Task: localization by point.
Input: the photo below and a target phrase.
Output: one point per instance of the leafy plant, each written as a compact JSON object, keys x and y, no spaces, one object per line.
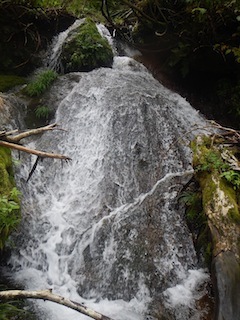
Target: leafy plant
{"x":233,"y":177}
{"x":42,"y":112}
{"x":212,"y":161}
{"x":192,"y":200}
{"x":11,"y":311}
{"x":9,"y":214}
{"x":41,"y":83}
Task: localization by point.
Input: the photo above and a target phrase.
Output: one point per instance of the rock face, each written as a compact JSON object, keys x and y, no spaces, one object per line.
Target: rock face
{"x":220,"y":199}
{"x":86,"y":49}
{"x":227,"y":279}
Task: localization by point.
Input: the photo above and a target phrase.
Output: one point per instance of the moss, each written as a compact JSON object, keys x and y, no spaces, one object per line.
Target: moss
{"x":41,"y":83}
{"x":234,"y":215}
{"x":9,"y":197}
{"x":197,"y":221}
{"x":6,"y":172}
{"x":208,"y":187}
{"x":9,"y":81}
{"x":86,"y":49}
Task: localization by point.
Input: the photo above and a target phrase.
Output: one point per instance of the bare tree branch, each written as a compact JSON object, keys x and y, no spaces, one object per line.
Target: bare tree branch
{"x":48,"y":295}
{"x":41,"y":154}
{"x":29,"y":133}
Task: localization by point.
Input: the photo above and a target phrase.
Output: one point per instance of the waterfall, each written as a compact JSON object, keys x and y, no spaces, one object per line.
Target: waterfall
{"x":106,"y":229}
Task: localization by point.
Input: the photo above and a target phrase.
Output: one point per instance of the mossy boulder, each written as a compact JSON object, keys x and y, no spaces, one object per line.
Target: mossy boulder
{"x":86,"y":49}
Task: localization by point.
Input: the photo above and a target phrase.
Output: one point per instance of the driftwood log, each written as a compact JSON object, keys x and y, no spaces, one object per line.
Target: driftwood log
{"x":48,"y":295}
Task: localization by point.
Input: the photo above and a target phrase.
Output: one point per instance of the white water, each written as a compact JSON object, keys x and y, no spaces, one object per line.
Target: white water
{"x":54,"y":52}
{"x":105,"y":229}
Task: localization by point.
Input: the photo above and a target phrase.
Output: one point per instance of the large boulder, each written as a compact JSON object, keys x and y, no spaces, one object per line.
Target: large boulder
{"x":85,"y":49}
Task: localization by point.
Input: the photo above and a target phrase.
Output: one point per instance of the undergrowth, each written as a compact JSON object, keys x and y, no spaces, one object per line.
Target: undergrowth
{"x":41,"y":83}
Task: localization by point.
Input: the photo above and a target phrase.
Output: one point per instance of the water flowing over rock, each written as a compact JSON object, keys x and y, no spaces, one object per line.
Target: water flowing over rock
{"x":107,"y":228}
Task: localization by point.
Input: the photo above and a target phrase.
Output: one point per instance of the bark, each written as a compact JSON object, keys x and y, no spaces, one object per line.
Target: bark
{"x":28,"y":133}
{"x":10,"y":140}
{"x":48,"y":295}
{"x":41,"y":154}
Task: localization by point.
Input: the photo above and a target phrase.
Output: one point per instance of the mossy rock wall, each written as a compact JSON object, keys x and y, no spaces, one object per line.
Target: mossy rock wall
{"x":220,"y":201}
{"x":86,"y":49}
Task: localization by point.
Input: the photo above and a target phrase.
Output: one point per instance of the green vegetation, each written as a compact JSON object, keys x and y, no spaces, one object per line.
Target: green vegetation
{"x":211,"y":161}
{"x":9,"y":81}
{"x":41,"y":83}
{"x":219,"y":183}
{"x":9,"y":198}
{"x":212,"y":200}
{"x":197,"y":221}
{"x":42,"y":112}
{"x":9,"y":215}
{"x":12,"y":311}
{"x":15,"y":309}
{"x":86,"y":49}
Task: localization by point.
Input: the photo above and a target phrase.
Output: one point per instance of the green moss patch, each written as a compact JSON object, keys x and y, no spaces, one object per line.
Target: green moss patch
{"x":6,"y":173}
{"x":86,"y":49}
{"x":9,"y":81}
{"x":9,"y":197}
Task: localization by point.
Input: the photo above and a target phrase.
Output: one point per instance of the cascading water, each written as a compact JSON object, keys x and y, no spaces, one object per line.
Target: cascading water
{"x":106,"y":229}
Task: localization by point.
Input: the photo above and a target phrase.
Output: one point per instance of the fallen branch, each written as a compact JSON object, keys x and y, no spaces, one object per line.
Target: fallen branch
{"x":48,"y":295}
{"x":11,"y":139}
{"x":28,"y":133}
{"x":39,"y":153}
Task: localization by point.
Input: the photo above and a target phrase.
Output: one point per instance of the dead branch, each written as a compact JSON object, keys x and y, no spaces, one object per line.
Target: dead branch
{"x":48,"y":295}
{"x":28,"y":133}
{"x":41,"y":154}
{"x":227,"y":131}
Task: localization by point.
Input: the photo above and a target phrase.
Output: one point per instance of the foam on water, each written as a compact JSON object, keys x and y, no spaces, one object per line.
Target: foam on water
{"x":185,"y":293}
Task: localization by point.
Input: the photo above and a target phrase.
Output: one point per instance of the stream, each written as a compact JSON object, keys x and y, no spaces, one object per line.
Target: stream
{"x":106,"y":229}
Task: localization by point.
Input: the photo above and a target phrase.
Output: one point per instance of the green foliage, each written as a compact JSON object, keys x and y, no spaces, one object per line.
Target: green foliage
{"x":6,"y":172}
{"x":86,"y":50}
{"x":14,"y":309}
{"x":197,"y":222}
{"x":41,"y":83}
{"x":9,"y":197}
{"x":9,"y":214}
{"x":42,"y":112}
{"x":192,"y":200}
{"x":212,"y":161}
{"x":232,"y":177}
{"x":11,"y":310}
